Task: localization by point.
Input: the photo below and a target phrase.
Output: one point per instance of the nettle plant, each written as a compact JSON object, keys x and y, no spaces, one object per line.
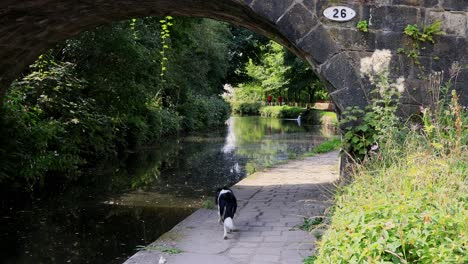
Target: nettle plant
{"x":367,"y":129}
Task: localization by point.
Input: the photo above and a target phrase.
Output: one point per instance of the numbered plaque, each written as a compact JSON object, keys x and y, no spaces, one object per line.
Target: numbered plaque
{"x":339,"y":13}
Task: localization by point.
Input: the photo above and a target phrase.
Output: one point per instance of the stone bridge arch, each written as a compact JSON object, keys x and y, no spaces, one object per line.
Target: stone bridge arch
{"x":334,"y":49}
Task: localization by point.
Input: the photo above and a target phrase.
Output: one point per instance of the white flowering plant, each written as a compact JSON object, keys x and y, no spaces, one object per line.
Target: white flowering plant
{"x":372,"y":126}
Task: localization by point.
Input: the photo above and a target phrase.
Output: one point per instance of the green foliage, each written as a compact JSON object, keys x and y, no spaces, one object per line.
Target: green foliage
{"x":283,"y":111}
{"x":270,"y":74}
{"x":165,"y":249}
{"x":319,"y":117}
{"x":165,"y":35}
{"x":208,"y":204}
{"x":201,"y":112}
{"x":303,"y":85}
{"x":245,"y":108}
{"x":427,"y":34}
{"x":310,"y":223}
{"x":101,"y":93}
{"x":172,"y":250}
{"x":407,"y":203}
{"x":413,"y":211}
{"x":245,"y":100}
{"x":363,"y":26}
{"x":245,"y":45}
{"x":419,"y":37}
{"x":273,"y":70}
{"x":376,"y":123}
{"x":197,"y":61}
{"x":35,"y":134}
{"x":444,"y":117}
{"x":310,"y":260}
{"x":359,"y":130}
{"x":327,"y":146}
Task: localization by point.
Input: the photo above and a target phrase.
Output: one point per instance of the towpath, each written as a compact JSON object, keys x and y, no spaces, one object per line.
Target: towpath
{"x":272,"y":204}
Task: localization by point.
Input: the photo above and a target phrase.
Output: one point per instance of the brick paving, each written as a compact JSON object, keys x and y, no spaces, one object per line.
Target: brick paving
{"x":272,"y":204}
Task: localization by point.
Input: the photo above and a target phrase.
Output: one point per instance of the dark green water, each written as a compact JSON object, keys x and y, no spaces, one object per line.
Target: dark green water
{"x":138,"y":198}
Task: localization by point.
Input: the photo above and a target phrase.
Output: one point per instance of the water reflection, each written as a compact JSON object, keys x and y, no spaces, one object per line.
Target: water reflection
{"x":133,"y":200}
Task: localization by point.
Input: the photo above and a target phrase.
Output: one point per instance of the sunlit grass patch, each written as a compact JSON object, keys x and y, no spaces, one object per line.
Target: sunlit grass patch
{"x":327,"y":146}
{"x":414,"y":211}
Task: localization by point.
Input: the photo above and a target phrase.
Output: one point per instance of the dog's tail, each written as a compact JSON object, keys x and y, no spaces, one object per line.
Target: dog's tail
{"x":229,"y":223}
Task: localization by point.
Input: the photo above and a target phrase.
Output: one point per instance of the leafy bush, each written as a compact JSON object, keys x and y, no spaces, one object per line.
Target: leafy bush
{"x":246,"y":108}
{"x":411,"y":212}
{"x":284,"y":111}
{"x":101,"y":93}
{"x":30,"y":116}
{"x":202,"y":112}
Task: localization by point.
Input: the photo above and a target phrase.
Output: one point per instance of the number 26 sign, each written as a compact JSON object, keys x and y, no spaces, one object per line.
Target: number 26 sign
{"x":339,"y":13}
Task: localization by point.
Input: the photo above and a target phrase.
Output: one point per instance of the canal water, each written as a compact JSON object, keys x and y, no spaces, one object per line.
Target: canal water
{"x":130,"y":202}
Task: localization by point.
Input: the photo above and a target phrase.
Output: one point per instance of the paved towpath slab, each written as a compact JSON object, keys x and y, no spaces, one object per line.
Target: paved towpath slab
{"x":272,"y":203}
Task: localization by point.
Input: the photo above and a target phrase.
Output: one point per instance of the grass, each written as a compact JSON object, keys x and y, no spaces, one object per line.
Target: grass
{"x":327,"y":146}
{"x":311,"y":223}
{"x":283,"y":111}
{"x":408,"y":199}
{"x":328,"y":118}
{"x":208,"y":204}
{"x":164,"y":249}
{"x":410,"y":210}
{"x":310,"y":259}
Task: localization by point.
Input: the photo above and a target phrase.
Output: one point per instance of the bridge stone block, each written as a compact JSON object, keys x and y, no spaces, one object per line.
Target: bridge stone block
{"x":407,"y":2}
{"x":340,"y":72}
{"x":271,"y":9}
{"x":429,"y":3}
{"x":454,"y":5}
{"x":353,"y":39}
{"x":455,"y":23}
{"x":348,"y":97}
{"x":319,"y":45}
{"x":297,"y":22}
{"x":393,"y":18}
{"x":390,"y":40}
{"x":461,"y":88}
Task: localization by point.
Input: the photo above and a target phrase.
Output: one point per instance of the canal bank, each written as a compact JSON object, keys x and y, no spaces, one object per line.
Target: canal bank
{"x":272,"y":204}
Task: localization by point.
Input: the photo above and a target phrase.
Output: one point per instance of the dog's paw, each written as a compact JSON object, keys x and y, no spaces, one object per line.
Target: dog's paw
{"x":225,"y":237}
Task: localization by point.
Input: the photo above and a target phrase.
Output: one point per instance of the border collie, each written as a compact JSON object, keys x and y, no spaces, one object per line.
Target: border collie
{"x":227,"y":206}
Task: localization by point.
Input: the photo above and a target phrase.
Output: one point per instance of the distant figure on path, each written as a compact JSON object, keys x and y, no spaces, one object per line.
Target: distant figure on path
{"x":269,"y":98}
{"x":280,"y":100}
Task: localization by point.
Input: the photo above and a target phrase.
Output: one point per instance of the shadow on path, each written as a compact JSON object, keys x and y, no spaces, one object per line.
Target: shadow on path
{"x":272,"y":204}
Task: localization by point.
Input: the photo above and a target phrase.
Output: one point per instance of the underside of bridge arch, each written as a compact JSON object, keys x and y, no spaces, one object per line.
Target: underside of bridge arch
{"x":334,"y":49}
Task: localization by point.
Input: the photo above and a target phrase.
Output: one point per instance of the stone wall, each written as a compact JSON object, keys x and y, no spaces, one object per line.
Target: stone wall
{"x":334,"y":49}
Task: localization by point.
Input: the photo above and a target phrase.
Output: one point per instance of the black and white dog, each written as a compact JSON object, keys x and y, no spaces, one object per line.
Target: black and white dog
{"x":227,"y":206}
